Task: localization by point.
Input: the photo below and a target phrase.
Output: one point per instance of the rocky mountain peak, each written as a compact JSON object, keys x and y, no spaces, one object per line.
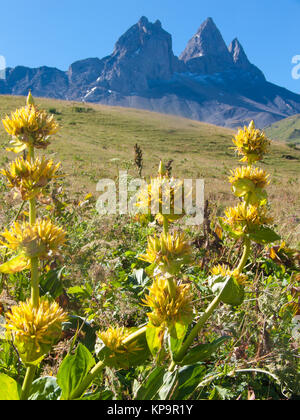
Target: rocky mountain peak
{"x":143,"y":21}
{"x":143,"y":53}
{"x":207,"y":41}
{"x":238,"y":54}
{"x":242,"y":62}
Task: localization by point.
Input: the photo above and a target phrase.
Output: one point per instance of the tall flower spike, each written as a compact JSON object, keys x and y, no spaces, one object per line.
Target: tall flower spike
{"x":30,"y":178}
{"x":29,"y":126}
{"x":35,"y":329}
{"x":251,"y":143}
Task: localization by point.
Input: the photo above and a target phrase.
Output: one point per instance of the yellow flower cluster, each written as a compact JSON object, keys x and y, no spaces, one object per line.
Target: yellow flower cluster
{"x":120,"y":354}
{"x":163,"y":196}
{"x":35,"y":329}
{"x":223,"y":270}
{"x":258,"y":176}
{"x":244,"y":219}
{"x":168,"y":252}
{"x":251,"y":143}
{"x":29,"y":126}
{"x":38,"y":240}
{"x":113,"y":339}
{"x":30,"y":178}
{"x":167,"y":308}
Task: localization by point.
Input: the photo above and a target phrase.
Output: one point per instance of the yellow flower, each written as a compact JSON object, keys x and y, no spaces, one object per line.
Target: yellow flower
{"x":119,"y":353}
{"x":224,"y":271}
{"x":249,"y":182}
{"x":29,"y":126}
{"x":30,"y":178}
{"x":251,"y":143}
{"x":258,"y":176}
{"x":39,"y":240}
{"x":244,"y":219}
{"x":35,"y":329}
{"x":113,"y":339}
{"x":163,"y":196}
{"x":168,"y":252}
{"x":168,"y":309}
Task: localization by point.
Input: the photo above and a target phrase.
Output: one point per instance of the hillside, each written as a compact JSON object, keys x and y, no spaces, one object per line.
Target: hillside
{"x":96,"y":141}
{"x":286,"y":130}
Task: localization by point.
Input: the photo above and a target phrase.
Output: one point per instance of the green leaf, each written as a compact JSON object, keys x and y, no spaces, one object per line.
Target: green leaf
{"x":242,"y":187}
{"x":139,"y":279}
{"x":149,"y":389}
{"x":176,"y":336}
{"x":87,"y":334}
{"x":259,"y":196}
{"x":169,"y":383}
{"x":234,"y":234}
{"x":264,"y":235}
{"x":98,"y":396}
{"x":78,"y":290}
{"x":52,"y":284}
{"x":203,"y":352}
{"x":9,"y":388}
{"x":73,"y":370}
{"x":188,"y":379}
{"x":45,"y":389}
{"x":155,"y":336}
{"x":232,"y":292}
{"x":15,"y":265}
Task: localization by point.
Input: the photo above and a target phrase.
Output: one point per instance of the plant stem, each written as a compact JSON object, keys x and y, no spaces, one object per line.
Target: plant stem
{"x":30,"y":372}
{"x":245,"y":256}
{"x":172,"y":287}
{"x":35,"y":295}
{"x":134,"y":336}
{"x":165,"y":225}
{"x":195,"y":331}
{"x":34,"y":261}
{"x":172,"y":366}
{"x":32,"y":211}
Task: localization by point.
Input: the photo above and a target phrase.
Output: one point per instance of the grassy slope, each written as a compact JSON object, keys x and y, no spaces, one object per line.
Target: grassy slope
{"x":89,"y":140}
{"x":286,"y":130}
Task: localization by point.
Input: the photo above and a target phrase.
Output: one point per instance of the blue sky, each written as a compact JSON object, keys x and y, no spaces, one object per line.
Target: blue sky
{"x":59,"y":32}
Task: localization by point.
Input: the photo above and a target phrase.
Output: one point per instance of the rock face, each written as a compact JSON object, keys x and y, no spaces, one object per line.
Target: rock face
{"x":20,"y":79}
{"x":208,"y":82}
{"x":207,"y":52}
{"x":241,"y":61}
{"x":142,"y":54}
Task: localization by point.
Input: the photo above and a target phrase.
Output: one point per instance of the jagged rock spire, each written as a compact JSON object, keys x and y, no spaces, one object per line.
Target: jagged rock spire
{"x":208,"y":41}
{"x":238,"y":54}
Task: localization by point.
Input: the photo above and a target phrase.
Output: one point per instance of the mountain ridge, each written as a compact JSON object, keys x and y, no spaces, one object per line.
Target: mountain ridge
{"x":209,"y":81}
